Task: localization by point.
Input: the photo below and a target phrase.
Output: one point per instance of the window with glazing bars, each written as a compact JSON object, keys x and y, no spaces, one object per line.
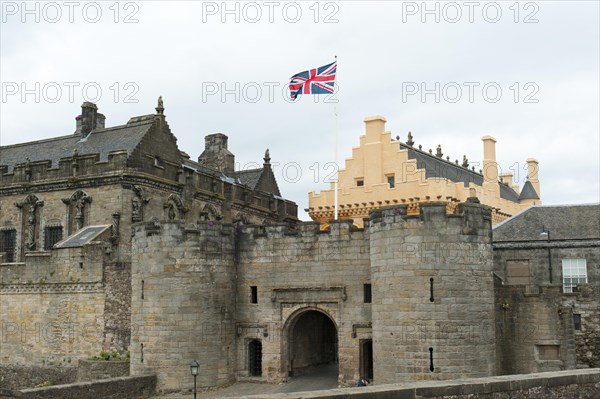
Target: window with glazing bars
{"x":8,"y":240}
{"x":52,"y":236}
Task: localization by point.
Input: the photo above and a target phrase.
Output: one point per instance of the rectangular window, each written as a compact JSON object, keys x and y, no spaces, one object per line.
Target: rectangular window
{"x":576,"y":321}
{"x":574,"y":273}
{"x":8,"y":240}
{"x":517,"y":272}
{"x":360,"y":182}
{"x":367,"y":293}
{"x":52,"y":236}
{"x":391,"y":179}
{"x":253,"y":294}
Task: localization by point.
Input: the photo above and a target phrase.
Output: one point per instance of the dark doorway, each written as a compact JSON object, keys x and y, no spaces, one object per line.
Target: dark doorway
{"x":313,"y":342}
{"x":255,"y":358}
{"x":366,"y":358}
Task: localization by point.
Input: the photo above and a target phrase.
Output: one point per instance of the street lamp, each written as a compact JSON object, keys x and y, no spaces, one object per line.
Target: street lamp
{"x":546,"y":234}
{"x":194,"y":368}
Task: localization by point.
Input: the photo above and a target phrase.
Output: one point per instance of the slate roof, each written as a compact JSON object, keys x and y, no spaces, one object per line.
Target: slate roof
{"x":118,"y":138}
{"x":99,"y":141}
{"x":565,"y":222}
{"x":440,"y":168}
{"x":528,"y":192}
{"x":249,"y":177}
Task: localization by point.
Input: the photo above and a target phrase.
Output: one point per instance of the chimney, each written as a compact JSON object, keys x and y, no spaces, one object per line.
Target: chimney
{"x":508,"y":178}
{"x":216,"y":155}
{"x":375,"y":126}
{"x":100,"y":121}
{"x":490,"y":166}
{"x":532,"y":173}
{"x":88,"y":120}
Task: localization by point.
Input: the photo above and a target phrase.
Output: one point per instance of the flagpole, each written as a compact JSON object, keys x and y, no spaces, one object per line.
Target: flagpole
{"x":335,"y":185}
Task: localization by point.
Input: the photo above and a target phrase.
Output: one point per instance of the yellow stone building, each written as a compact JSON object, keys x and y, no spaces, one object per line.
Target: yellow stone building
{"x":383,"y":171}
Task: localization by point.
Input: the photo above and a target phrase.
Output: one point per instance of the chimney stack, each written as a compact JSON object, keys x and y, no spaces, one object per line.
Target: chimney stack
{"x":490,"y":166}
{"x":89,"y":119}
{"x":216,"y":155}
{"x":532,"y":173}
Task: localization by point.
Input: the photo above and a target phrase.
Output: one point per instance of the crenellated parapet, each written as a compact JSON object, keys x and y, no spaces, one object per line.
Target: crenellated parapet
{"x":68,"y":170}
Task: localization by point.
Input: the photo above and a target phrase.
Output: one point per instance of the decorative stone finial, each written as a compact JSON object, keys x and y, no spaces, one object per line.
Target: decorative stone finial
{"x":410,"y":141}
{"x":465,"y":163}
{"x":160,"y":109}
{"x":420,"y":147}
{"x":267,"y":157}
{"x":430,"y":151}
{"x":438,"y":152}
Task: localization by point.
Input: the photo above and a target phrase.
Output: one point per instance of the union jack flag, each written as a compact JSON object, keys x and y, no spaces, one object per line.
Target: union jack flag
{"x":314,"y":81}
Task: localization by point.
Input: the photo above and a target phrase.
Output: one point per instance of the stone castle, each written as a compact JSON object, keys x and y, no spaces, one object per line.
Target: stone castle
{"x":113,"y":239}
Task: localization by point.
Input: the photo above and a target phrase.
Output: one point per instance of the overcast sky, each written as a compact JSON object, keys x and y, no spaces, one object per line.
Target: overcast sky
{"x":526,"y":73}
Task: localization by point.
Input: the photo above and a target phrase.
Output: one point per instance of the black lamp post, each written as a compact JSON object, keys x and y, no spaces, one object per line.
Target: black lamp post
{"x":194,"y":368}
{"x":546,"y":234}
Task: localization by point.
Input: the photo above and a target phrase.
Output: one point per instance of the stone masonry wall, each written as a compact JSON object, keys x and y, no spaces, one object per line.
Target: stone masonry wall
{"x":183,"y":303}
{"x":433,"y":293}
{"x":571,"y":384}
{"x":52,"y":307}
{"x":534,"y":330}
{"x":297,"y":271}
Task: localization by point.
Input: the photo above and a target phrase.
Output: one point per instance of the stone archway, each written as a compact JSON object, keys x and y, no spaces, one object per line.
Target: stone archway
{"x":311,"y":340}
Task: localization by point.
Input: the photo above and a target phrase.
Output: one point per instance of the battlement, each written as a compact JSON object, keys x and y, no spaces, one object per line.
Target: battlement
{"x":468,"y":213}
{"x":301,"y":229}
{"x":74,"y":167}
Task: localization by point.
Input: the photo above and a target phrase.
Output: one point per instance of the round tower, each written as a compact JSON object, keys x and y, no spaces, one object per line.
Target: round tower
{"x":183,"y":303}
{"x":433,"y":295}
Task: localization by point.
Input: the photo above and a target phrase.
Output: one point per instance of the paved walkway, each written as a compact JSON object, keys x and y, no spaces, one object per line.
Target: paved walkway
{"x":321,"y":378}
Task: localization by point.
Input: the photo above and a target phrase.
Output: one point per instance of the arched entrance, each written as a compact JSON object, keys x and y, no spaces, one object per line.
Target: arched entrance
{"x":312,"y":342}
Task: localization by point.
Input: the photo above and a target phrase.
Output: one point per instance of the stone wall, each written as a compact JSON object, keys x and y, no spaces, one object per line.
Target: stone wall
{"x":91,"y":370}
{"x":541,"y":255}
{"x":183,"y":303}
{"x":585,"y":303}
{"x":52,"y":307}
{"x":113,"y":388}
{"x":14,"y":377}
{"x":297,"y":271}
{"x":572,"y":384}
{"x":433,"y":293}
{"x":534,"y":330}
{"x":536,"y":305}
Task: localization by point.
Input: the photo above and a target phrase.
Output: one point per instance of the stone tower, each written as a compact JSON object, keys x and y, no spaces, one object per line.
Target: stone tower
{"x":433,"y":297}
{"x":183,"y":303}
